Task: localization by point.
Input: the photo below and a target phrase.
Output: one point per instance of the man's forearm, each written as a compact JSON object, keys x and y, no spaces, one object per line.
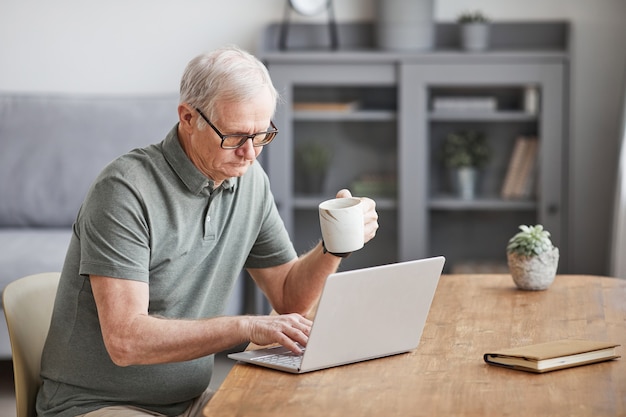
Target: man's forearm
{"x":152,"y":340}
{"x":306,"y":279}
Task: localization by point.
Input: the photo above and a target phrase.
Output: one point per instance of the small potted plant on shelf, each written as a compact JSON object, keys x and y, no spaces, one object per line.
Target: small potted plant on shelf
{"x":532,"y":258}
{"x":465,"y":153}
{"x":474,"y":27}
{"x":312,"y":161}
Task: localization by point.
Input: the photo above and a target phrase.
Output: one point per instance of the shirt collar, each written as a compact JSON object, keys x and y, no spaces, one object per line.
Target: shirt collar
{"x":191,"y":176}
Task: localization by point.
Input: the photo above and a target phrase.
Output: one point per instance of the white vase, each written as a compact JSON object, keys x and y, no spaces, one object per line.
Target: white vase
{"x":533,"y":273}
{"x":475,"y":36}
{"x":465,"y":182}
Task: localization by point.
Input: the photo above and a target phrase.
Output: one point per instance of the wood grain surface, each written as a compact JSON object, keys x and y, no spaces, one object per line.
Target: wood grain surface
{"x":446,"y":374}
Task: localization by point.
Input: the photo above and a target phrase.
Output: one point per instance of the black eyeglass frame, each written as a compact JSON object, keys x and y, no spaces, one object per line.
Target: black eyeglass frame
{"x":244,"y":138}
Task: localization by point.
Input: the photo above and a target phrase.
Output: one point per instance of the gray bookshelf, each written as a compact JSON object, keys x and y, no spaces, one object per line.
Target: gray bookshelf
{"x":388,"y":142}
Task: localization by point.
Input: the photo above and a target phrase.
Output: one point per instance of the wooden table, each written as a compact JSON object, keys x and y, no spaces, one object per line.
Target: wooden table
{"x":446,"y":375}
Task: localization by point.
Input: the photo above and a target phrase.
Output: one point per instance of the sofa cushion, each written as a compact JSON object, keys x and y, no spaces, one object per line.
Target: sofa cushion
{"x":31,"y":251}
{"x":53,"y":146}
{"x":26,"y":252}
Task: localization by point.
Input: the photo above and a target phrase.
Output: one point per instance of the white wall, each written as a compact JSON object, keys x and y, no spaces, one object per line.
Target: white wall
{"x":142,"y":46}
{"x":123,"y":46}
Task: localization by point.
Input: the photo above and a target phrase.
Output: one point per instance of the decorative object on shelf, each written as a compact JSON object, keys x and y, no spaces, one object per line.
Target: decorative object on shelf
{"x":532,"y":258}
{"x":520,"y":179}
{"x":309,"y":8}
{"x":383,"y":185}
{"x":531,"y":99}
{"x":405,"y":24}
{"x":465,"y":182}
{"x":465,"y":153}
{"x":474,"y":31}
{"x":312,"y":161}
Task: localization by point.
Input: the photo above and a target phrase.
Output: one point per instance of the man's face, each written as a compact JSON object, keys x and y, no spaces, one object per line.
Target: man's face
{"x":247,"y":117}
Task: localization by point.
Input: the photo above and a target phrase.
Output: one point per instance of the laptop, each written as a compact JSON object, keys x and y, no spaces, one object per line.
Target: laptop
{"x":362,"y":314}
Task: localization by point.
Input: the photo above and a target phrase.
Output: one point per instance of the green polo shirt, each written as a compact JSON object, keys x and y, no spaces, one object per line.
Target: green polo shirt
{"x":152,"y":216}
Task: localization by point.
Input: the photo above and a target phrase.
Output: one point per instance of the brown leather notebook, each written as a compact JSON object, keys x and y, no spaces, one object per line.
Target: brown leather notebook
{"x":550,"y":356}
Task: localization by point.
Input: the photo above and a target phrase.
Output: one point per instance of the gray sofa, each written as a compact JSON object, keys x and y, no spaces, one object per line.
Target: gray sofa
{"x":51,"y":149}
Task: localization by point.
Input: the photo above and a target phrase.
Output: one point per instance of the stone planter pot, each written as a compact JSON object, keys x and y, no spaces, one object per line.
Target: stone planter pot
{"x":533,"y":273}
{"x":474,"y":36}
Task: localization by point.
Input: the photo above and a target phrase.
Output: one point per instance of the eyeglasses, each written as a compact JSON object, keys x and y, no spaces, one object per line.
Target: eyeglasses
{"x":237,"y":140}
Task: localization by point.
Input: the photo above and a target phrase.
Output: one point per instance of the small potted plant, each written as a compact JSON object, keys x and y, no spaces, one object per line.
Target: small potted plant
{"x":532,"y":258}
{"x":474,"y":30}
{"x":312,"y":161}
{"x":465,"y":153}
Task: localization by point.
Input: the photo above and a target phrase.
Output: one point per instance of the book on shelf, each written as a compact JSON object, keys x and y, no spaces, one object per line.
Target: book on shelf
{"x":331,"y":106}
{"x":465,"y":104}
{"x":519,"y":181}
{"x":550,"y":356}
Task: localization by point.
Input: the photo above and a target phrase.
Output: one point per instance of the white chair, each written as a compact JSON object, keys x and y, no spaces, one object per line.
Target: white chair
{"x":27,"y":304}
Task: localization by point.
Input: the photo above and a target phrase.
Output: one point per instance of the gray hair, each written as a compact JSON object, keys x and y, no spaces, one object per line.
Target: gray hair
{"x":226,"y":74}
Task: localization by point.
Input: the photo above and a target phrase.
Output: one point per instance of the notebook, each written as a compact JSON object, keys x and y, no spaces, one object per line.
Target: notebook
{"x":362,"y":314}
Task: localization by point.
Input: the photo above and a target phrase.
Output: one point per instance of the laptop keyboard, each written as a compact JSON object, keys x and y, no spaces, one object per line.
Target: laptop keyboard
{"x":287,"y":359}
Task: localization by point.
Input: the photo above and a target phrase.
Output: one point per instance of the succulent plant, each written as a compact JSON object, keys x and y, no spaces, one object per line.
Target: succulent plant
{"x":530,"y":241}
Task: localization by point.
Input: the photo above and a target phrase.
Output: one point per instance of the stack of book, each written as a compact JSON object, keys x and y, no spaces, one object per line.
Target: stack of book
{"x":326,"y":106}
{"x":465,"y":104}
{"x":519,"y":182}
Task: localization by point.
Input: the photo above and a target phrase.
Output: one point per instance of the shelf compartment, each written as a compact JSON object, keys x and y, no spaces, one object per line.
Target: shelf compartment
{"x":373,"y":145}
{"x":501,"y":137}
{"x":345,"y":99}
{"x":480,"y":236}
{"x":497,"y":98}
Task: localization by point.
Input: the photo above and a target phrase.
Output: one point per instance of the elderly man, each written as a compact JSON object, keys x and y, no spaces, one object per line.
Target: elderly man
{"x":156,"y":249}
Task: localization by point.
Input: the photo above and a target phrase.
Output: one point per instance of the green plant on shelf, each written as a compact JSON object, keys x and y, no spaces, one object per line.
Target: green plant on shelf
{"x":313,"y":157}
{"x":312,"y":162}
{"x":475,"y":16}
{"x":467,"y":148}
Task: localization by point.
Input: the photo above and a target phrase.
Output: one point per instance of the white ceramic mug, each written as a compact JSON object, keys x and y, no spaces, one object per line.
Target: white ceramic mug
{"x":341,"y":221}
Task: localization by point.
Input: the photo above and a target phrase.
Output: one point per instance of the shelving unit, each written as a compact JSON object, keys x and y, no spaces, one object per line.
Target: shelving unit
{"x":366,"y":133}
{"x":478,"y":230}
{"x":386,"y":126}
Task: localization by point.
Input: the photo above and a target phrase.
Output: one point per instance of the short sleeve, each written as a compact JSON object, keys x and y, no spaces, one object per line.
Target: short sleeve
{"x":273,"y":246}
{"x":113,"y":232}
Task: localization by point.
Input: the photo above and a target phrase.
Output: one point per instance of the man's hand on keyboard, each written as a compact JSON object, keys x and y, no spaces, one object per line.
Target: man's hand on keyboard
{"x":288,"y":330}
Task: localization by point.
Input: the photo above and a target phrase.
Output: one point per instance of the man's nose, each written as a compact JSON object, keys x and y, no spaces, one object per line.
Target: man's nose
{"x":247,"y":150}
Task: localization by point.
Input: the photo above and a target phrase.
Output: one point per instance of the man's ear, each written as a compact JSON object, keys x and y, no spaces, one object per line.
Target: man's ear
{"x":186,"y":116}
